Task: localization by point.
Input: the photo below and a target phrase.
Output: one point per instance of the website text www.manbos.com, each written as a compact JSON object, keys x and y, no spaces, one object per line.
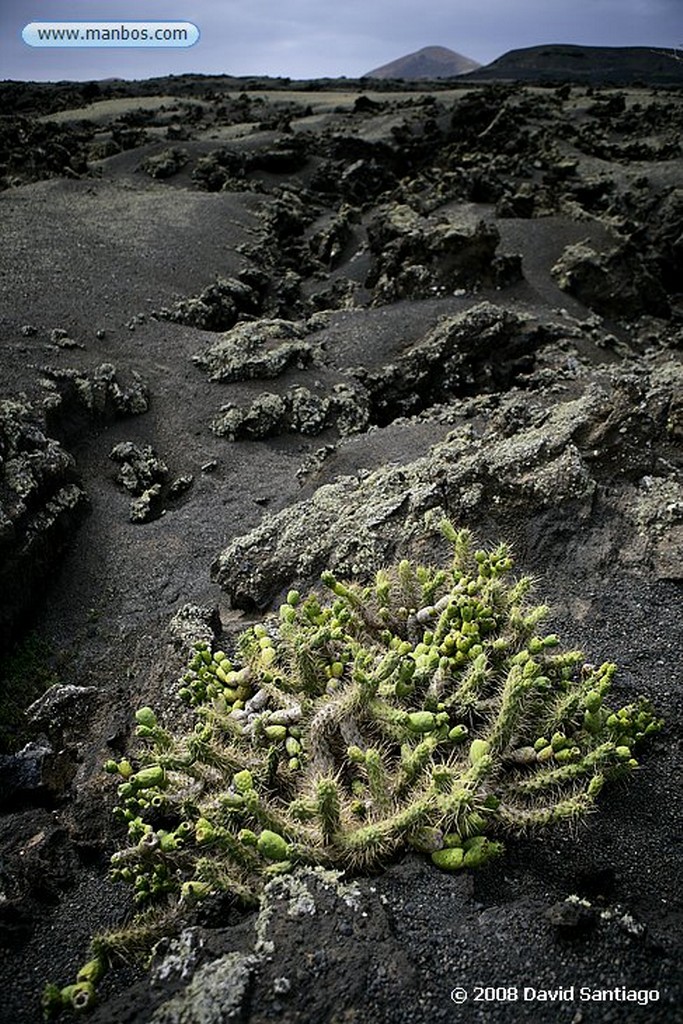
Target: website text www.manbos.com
{"x":108,"y":33}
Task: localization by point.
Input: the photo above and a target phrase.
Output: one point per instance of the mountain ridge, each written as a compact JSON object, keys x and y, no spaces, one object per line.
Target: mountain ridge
{"x":590,"y":64}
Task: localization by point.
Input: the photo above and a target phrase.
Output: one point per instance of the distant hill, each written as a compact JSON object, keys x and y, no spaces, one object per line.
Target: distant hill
{"x":618,"y":65}
{"x":429,"y":62}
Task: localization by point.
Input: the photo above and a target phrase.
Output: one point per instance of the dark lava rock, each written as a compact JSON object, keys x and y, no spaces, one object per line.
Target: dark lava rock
{"x":572,"y":918}
{"x":41,"y":504}
{"x":287,"y":217}
{"x":365,"y":180}
{"x":481,"y":348}
{"x":617,"y":284}
{"x":165,"y":164}
{"x":338,"y":930}
{"x":299,"y":411}
{"x":147,"y":506}
{"x":35,"y":774}
{"x":41,"y":498}
{"x":126,"y":137}
{"x":139,"y":467}
{"x":192,"y":624}
{"x":180,"y":485}
{"x":286,"y":156}
{"x":263,"y":349}
{"x":23,"y":772}
{"x":524,"y":453}
{"x":418,"y":258}
{"x":143,"y":474}
{"x":327,"y":245}
{"x":32,"y":150}
{"x":213,"y":171}
{"x":216,"y":308}
{"x":664,"y":238}
{"x":61,"y":710}
{"x":517,"y":204}
{"x":75,"y":398}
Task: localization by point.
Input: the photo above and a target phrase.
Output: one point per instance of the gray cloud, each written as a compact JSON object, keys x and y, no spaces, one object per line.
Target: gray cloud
{"x":310,"y":38}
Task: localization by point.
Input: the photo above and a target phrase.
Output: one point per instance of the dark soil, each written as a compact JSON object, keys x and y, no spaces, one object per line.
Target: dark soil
{"x":247,"y":334}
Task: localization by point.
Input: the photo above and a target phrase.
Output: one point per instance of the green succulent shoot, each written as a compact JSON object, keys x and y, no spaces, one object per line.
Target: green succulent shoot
{"x":426,"y":710}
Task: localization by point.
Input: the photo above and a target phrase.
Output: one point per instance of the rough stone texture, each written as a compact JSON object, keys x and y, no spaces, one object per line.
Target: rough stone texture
{"x":139,"y":467}
{"x":73,"y":396}
{"x":216,"y":994}
{"x":415,"y":257}
{"x":55,"y":711}
{"x":478,"y":349}
{"x":143,"y":474}
{"x":59,"y":150}
{"x":263,"y":349}
{"x":299,"y":411}
{"x":219,"y":169}
{"x":213,"y":983}
{"x":615,"y":284}
{"x":35,"y":774}
{"x":531,"y":456}
{"x":192,"y":624}
{"x":41,"y":504}
{"x":369,"y":940}
{"x":561,"y":434}
{"x":165,"y":164}
{"x":216,"y":308}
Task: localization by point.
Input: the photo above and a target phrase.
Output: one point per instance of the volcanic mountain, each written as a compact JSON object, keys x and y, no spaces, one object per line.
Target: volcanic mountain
{"x":429,"y":62}
{"x":619,"y":65}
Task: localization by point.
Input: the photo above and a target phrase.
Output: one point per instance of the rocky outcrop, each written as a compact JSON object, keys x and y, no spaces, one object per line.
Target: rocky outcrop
{"x":481,"y":349}
{"x":299,"y":410}
{"x":216,"y":308}
{"x":262,"y":349}
{"x":419,"y":258}
{"x":42,"y":499}
{"x":165,"y":164}
{"x":41,"y":504}
{"x":617,"y":284}
{"x":75,"y":397}
{"x":515,"y":463}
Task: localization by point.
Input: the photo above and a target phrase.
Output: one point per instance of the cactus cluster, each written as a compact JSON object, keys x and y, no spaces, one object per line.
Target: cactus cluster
{"x":428,"y":710}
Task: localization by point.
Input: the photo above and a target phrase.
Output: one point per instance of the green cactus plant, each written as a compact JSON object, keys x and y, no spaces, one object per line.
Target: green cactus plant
{"x":424,"y":711}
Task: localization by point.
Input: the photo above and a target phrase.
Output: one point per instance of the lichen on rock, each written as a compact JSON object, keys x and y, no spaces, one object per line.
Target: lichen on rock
{"x":215,"y":995}
{"x":527,"y":453}
{"x":216,"y":308}
{"x":420,"y":257}
{"x":299,"y":410}
{"x":262,"y":349}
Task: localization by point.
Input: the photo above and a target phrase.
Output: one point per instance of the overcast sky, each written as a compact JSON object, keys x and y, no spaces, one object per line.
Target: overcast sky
{"x":315,"y":38}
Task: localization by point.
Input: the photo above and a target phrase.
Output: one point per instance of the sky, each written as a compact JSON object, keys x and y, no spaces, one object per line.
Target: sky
{"x":323,"y":38}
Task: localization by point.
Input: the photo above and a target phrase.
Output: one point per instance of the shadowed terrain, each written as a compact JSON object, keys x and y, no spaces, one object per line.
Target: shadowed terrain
{"x":252,"y":329}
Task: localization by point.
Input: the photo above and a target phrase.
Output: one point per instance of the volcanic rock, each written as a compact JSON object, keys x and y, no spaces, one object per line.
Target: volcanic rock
{"x":615,"y":284}
{"x":41,"y":504}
